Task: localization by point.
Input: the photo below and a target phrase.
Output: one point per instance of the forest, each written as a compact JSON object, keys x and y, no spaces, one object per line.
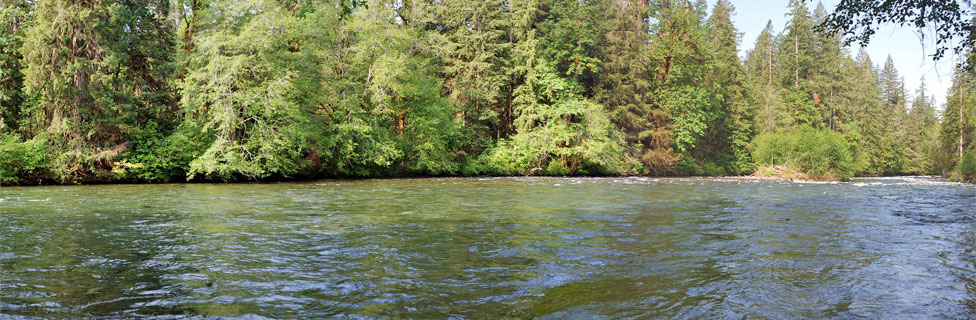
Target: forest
{"x":258,"y":90}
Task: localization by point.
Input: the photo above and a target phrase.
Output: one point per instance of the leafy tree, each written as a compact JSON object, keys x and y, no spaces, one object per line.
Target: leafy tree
{"x":402,"y":88}
{"x":681,"y":57}
{"x":240,"y":90}
{"x":858,"y":19}
{"x":563,"y":133}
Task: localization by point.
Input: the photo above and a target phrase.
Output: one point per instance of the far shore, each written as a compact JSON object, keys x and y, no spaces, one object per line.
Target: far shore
{"x":783,"y":176}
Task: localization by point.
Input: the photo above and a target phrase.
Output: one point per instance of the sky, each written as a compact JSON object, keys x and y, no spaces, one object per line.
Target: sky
{"x":904,"y":44}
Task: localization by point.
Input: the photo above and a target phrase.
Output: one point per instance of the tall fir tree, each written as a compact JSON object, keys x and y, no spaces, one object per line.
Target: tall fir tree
{"x":99,"y":71}
{"x":477,"y":68}
{"x":761,"y":69}
{"x":734,"y":127}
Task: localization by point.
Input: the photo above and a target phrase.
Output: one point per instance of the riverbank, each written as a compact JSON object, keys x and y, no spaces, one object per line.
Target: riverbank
{"x":779,"y":173}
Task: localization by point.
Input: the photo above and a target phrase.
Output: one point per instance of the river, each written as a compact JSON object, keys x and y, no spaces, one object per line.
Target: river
{"x":473,"y":248}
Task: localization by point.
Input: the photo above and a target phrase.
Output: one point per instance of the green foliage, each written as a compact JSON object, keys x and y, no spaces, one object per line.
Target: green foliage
{"x":159,"y":90}
{"x":155,"y":157}
{"x":801,"y":107}
{"x":562,"y":133}
{"x":682,"y":57}
{"x":817,"y":153}
{"x":476,"y":73}
{"x":858,"y":20}
{"x":625,"y":87}
{"x":96,"y":71}
{"x":15,"y":16}
{"x":24,"y":161}
{"x":240,"y":88}
{"x":967,"y":166}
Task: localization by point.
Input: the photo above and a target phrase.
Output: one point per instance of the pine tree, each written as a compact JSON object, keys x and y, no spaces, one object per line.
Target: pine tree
{"x":956,"y":129}
{"x":924,"y":151}
{"x":826,"y":79}
{"x":558,"y":130}
{"x":871,"y":125}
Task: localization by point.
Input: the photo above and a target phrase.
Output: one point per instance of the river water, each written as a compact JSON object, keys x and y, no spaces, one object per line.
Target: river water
{"x":550,"y":248}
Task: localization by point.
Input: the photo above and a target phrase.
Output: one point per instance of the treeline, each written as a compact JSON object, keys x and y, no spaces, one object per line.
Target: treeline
{"x":176,"y":90}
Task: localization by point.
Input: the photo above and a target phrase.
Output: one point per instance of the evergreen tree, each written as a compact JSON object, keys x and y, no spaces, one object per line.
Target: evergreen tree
{"x":160,"y":90}
{"x":734,"y":125}
{"x":796,"y":52}
{"x":15,"y":17}
{"x":771,"y":114}
{"x":624,"y":87}
{"x":924,"y":123}
{"x":956,"y":130}
{"x":477,"y":69}
{"x":870,"y":156}
{"x":98,"y":71}
{"x":892,"y":116}
{"x":826,"y":78}
{"x":558,"y":130}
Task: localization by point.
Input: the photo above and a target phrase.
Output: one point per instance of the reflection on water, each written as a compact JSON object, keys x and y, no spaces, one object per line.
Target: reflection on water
{"x":492,"y":248}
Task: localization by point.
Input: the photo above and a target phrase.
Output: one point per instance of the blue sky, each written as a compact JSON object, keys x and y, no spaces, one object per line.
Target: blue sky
{"x":902,"y":43}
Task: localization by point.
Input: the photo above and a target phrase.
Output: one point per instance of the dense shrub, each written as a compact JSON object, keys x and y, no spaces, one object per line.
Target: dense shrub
{"x":24,"y":161}
{"x":967,"y":166}
{"x":816,"y":153}
{"x":155,"y":157}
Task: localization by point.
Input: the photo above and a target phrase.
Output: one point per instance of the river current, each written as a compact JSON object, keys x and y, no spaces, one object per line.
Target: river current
{"x":474,"y":248}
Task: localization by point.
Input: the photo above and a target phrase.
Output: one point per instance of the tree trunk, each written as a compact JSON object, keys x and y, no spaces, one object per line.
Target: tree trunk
{"x":769,"y":62}
{"x":796,"y":59}
{"x":962,"y":125}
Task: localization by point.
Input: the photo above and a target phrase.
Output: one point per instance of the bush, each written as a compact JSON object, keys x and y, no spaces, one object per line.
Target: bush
{"x":816,"y":153}
{"x":155,"y":157}
{"x":967,"y":166}
{"x":24,"y":161}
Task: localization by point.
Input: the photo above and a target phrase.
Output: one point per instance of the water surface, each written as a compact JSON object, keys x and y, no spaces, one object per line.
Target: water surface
{"x":472,"y":248}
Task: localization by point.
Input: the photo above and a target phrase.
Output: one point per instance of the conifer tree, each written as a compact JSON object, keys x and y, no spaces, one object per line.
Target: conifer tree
{"x":762,"y":72}
{"x":734,"y":126}
{"x":796,"y":56}
{"x":15,"y":17}
{"x":477,"y":68}
{"x":98,"y":71}
{"x":624,"y":87}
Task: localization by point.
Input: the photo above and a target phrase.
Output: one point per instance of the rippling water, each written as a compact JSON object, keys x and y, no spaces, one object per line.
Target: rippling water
{"x":492,"y":248}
